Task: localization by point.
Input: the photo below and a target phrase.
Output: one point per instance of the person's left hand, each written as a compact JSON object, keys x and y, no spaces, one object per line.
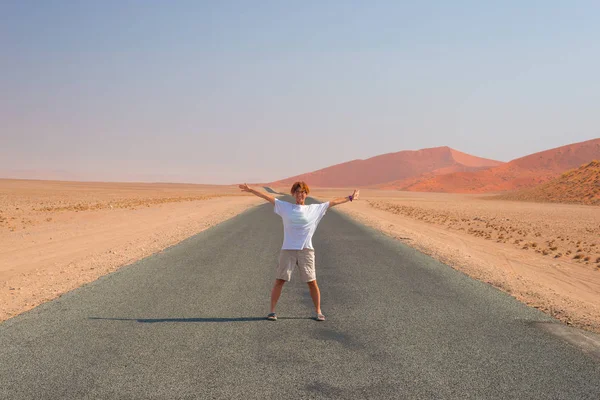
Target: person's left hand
{"x":355,"y":194}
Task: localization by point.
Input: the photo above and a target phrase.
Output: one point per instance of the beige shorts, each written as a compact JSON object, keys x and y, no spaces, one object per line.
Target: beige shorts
{"x":304,"y":259}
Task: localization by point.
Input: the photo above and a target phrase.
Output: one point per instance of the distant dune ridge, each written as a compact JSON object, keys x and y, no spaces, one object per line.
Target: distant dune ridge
{"x":443,"y":169}
{"x":578,"y":186}
{"x":524,"y":172}
{"x":392,"y":167}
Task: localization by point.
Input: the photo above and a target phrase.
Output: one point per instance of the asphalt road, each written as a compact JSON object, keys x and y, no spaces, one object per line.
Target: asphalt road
{"x":189,"y":323}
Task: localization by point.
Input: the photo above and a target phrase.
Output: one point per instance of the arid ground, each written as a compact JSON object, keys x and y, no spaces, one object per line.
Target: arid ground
{"x":546,"y":255}
{"x":56,"y":236}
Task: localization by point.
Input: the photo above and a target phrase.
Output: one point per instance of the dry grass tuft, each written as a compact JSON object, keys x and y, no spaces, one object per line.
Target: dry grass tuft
{"x":513,"y":230}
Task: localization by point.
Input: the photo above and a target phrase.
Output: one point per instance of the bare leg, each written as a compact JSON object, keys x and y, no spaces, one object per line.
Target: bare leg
{"x":315,"y":294}
{"x":276,"y":292}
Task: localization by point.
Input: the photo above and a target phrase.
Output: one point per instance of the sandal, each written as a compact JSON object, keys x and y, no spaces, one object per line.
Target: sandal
{"x":272,"y":317}
{"x":320,"y":317}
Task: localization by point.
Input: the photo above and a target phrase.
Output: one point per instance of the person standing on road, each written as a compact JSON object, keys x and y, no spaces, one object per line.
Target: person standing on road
{"x":299,"y":224}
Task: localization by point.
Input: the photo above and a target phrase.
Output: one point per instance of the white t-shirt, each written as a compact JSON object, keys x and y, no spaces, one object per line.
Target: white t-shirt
{"x":299,"y":223}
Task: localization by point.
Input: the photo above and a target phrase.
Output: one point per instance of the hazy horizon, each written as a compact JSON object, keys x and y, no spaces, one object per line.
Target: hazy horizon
{"x":237,"y":92}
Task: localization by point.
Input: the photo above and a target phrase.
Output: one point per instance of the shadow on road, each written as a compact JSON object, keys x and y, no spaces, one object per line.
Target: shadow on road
{"x":154,"y":320}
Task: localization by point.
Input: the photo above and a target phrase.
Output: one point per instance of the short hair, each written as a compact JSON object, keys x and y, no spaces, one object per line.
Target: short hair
{"x":300,"y":185}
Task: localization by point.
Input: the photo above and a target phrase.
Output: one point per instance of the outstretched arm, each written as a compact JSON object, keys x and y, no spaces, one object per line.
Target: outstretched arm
{"x":246,"y":188}
{"x":341,"y":200}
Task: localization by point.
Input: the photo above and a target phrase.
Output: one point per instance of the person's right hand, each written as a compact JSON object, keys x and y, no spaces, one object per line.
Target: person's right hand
{"x":244,"y":187}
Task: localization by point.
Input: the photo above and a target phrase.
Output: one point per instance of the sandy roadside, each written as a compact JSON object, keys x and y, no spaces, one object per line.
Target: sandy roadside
{"x":56,"y":237}
{"x":545,"y":255}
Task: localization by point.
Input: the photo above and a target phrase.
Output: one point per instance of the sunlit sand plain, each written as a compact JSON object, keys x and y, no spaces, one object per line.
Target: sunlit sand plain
{"x":546,"y":255}
{"x":57,"y":236}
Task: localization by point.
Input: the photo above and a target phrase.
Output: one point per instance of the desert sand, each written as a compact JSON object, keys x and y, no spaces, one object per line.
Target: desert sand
{"x":445,"y":170}
{"x":57,"y":236}
{"x":545,"y":255}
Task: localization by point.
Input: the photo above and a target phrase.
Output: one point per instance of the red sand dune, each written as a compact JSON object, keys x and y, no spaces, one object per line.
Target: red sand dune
{"x":520,"y":173}
{"x":578,"y":186}
{"x":391,"y":167}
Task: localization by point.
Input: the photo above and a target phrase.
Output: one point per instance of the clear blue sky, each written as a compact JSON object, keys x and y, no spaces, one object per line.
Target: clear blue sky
{"x":232,"y":91}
